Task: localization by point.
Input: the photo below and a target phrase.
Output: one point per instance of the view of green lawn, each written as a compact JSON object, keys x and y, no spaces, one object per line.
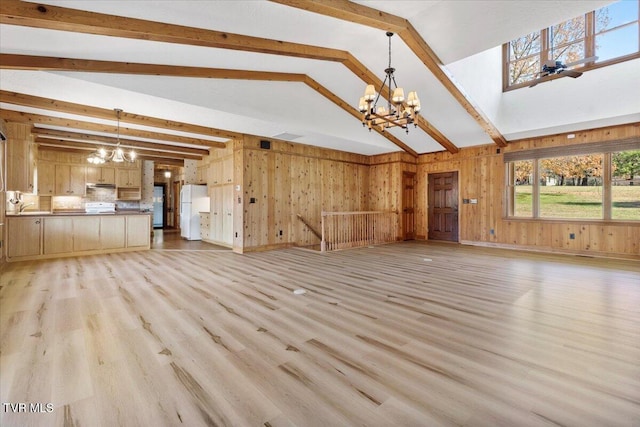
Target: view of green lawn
{"x":578,"y":202}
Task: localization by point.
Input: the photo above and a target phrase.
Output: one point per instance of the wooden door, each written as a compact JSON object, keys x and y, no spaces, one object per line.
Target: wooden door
{"x":408,"y":210}
{"x":443,"y":206}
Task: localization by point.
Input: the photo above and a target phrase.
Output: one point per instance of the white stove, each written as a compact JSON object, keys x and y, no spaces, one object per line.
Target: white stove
{"x":99,"y":207}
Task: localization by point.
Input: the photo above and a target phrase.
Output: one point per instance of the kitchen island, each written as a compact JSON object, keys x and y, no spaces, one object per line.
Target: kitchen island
{"x":41,"y":234}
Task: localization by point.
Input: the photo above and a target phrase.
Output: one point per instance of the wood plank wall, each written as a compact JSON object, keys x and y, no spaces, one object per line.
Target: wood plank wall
{"x":385,"y":184}
{"x":481,"y":175}
{"x":290,"y":179}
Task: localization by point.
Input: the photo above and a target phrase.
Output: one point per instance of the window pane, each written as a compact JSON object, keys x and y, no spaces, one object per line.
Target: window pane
{"x":568,"y":54}
{"x":524,"y":70}
{"x":522,"y":180}
{"x":616,"y":14}
{"x":625,"y":189}
{"x":524,"y":46}
{"x":567,"y":31}
{"x":615,"y":43}
{"x":571,"y":187}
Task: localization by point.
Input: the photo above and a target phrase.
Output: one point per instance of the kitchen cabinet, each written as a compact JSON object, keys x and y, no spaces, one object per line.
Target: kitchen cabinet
{"x":221,"y":219}
{"x":46,"y":178}
{"x":86,"y":233}
{"x":101,"y":175}
{"x":202,"y":174}
{"x":128,"y":178}
{"x":70,"y":180}
{"x":57,"y":235}
{"x":21,"y":158}
{"x":112,"y":232}
{"x":138,"y":231}
{"x":24,"y":236}
{"x":220,"y":172}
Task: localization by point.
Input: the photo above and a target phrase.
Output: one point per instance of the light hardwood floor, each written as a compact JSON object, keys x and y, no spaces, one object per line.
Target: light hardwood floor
{"x":410,"y":334}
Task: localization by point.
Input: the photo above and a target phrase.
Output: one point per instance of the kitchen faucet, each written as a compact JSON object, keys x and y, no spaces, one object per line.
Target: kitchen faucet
{"x":23,"y":206}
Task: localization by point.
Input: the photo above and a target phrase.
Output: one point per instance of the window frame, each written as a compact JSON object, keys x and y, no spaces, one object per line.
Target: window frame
{"x":535,"y":155}
{"x":589,"y":40}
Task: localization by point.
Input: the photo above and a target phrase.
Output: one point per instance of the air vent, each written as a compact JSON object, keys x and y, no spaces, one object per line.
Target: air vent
{"x":287,"y":136}
{"x":265,"y":144}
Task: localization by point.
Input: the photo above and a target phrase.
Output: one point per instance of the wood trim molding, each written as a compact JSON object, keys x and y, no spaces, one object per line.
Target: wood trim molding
{"x":365,"y":15}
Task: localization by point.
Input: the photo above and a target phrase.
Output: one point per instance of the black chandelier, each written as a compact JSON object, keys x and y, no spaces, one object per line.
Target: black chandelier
{"x":397,"y":112}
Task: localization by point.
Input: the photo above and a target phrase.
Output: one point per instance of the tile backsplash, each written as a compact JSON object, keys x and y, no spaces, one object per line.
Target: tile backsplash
{"x":93,"y":195}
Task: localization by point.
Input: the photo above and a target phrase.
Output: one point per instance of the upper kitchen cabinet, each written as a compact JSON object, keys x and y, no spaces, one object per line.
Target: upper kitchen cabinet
{"x":46,"y":178}
{"x":128,"y":178}
{"x":22,"y":155}
{"x":70,"y":180}
{"x":101,"y":175}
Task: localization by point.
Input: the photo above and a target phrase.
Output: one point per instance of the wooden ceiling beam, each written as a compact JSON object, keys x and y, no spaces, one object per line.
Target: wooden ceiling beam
{"x":126,"y":143}
{"x":16,"y":12}
{"x":63,"y":143}
{"x":428,"y":57}
{"x":364,"y":15}
{"x":49,"y":63}
{"x":107,"y":114}
{"x":368,"y":77}
{"x":26,"y":62}
{"x":342,"y":104}
{"x":35,"y":119}
{"x":349,"y":11}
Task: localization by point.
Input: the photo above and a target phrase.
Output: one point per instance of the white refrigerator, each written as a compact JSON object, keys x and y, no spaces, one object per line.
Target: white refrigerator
{"x":193,"y":200}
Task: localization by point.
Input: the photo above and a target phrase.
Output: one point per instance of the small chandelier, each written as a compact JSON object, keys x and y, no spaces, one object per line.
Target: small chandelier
{"x":397,"y":112}
{"x":117,"y":155}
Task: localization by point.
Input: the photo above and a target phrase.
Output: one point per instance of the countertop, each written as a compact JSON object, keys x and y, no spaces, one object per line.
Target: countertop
{"x":76,"y":213}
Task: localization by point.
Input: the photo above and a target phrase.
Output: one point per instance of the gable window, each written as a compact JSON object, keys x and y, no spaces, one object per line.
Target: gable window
{"x":611,"y":33}
{"x":593,"y":182}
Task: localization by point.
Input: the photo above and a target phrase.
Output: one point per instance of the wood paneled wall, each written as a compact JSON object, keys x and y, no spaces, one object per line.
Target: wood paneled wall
{"x":385,"y":184}
{"x":481,"y":176}
{"x":290,"y":179}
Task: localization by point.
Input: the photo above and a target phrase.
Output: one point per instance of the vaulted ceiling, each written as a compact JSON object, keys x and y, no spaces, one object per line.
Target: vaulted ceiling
{"x":191,"y":75}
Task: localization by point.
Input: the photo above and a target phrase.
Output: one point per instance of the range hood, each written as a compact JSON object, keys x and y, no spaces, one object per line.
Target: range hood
{"x":89,"y":185}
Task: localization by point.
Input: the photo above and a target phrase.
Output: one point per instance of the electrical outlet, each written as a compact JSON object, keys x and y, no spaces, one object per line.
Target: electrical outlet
{"x":492,"y":232}
{"x":281,"y":232}
{"x":572,"y":236}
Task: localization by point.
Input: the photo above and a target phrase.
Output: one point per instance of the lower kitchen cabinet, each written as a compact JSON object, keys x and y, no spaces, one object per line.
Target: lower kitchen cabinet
{"x":24,"y":237}
{"x":58,"y":235}
{"x":138,"y":231}
{"x":112,"y":232}
{"x":54,"y":236}
{"x":86,"y":234}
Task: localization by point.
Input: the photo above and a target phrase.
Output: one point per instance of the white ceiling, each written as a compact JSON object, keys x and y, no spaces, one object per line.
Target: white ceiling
{"x":464,"y":34}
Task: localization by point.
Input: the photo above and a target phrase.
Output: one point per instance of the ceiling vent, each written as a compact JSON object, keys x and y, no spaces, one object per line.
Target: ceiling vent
{"x":287,"y":136}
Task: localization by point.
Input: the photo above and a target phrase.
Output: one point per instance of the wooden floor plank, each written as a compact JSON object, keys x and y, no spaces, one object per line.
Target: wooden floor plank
{"x":405,"y":334}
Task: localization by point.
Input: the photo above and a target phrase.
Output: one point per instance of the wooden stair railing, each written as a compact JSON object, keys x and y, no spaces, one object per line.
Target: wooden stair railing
{"x":313,"y":230}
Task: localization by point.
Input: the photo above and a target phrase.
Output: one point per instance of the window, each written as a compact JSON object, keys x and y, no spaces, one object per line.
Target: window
{"x":595,"y":181}
{"x":611,"y":33}
{"x":571,"y":187}
{"x":625,"y":185}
